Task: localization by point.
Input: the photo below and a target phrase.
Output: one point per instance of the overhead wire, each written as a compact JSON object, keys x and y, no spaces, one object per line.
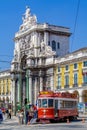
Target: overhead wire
{"x":75,"y":23}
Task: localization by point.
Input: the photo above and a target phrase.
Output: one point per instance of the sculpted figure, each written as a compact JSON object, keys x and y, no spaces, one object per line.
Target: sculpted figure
{"x":27,"y":13}
{"x":42,"y":46}
{"x":46,"y":50}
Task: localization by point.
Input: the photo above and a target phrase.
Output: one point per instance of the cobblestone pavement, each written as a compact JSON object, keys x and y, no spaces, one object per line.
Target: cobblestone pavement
{"x":12,"y":124}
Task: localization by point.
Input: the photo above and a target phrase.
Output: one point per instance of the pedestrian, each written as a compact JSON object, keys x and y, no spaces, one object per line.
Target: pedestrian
{"x":1,"y":116}
{"x":18,"y":115}
{"x":29,"y":117}
{"x":21,"y":117}
{"x":27,"y":113}
{"x":9,"y":114}
{"x":35,"y":112}
{"x":32,"y":115}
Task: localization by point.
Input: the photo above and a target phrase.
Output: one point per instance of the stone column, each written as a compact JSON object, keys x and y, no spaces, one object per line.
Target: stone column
{"x":13,"y":96}
{"x":24,"y":91}
{"x":41,"y":84}
{"x":35,"y":91}
{"x":46,"y":38}
{"x":27,"y":85}
{"x":30,"y":90}
{"x":40,"y":61}
{"x":80,"y":96}
{"x":51,"y":83}
{"x":41,"y":81}
{"x":81,"y":99}
{"x":36,"y":43}
{"x":19,"y":89}
{"x":39,"y":44}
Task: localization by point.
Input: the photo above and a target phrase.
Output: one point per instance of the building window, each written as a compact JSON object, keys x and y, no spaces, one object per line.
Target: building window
{"x":59,"y":81}
{"x":67,"y":80}
{"x":48,"y":43}
{"x":58,"y":45}
{"x":53,"y":45}
{"x":75,"y":78}
{"x":33,"y":62}
{"x":58,"y":69}
{"x":85,"y":78}
{"x":85,"y":64}
{"x":75,"y":66}
{"x":67,"y":67}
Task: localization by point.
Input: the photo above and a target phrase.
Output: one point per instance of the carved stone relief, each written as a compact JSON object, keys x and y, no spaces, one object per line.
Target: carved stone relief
{"x":46,"y":50}
{"x":28,"y":19}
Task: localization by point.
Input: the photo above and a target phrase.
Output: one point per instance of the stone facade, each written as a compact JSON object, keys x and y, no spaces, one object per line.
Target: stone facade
{"x":36,"y":46}
{"x":71,"y":75}
{"x":5,"y":88}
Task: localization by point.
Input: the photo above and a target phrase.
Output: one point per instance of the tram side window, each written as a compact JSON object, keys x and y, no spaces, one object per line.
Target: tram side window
{"x":62,"y":104}
{"x":44,"y":103}
{"x":75,"y":104}
{"x":56,"y":104}
{"x":70,"y":104}
{"x":67,"y":104}
{"x":39,"y":103}
{"x":50,"y":102}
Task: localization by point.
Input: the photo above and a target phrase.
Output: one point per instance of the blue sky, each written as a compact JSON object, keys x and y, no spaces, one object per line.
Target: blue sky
{"x":56,"y":12}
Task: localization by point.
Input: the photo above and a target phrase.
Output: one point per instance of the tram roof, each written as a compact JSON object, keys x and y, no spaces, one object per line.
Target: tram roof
{"x":57,"y":94}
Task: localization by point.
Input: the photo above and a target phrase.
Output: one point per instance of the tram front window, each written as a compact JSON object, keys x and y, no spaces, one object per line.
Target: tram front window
{"x":39,"y":102}
{"x":50,"y":102}
{"x":44,"y":103}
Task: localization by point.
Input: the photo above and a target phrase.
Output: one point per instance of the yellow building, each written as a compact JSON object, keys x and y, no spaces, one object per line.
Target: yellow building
{"x":71,"y":74}
{"x":5,"y":88}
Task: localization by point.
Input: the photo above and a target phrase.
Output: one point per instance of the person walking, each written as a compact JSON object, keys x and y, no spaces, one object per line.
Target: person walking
{"x":29,"y":118}
{"x":21,"y":117}
{"x":27,"y":113}
{"x":18,"y":115}
{"x":1,"y":116}
{"x":9,"y":114}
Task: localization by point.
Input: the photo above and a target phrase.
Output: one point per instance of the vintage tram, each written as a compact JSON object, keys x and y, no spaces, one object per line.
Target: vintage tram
{"x":55,"y":106}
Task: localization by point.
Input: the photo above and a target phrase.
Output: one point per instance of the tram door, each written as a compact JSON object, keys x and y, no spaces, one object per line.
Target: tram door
{"x":56,"y":108}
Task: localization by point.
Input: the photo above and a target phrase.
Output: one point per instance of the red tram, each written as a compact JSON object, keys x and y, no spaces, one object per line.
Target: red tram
{"x":54,"y":106}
